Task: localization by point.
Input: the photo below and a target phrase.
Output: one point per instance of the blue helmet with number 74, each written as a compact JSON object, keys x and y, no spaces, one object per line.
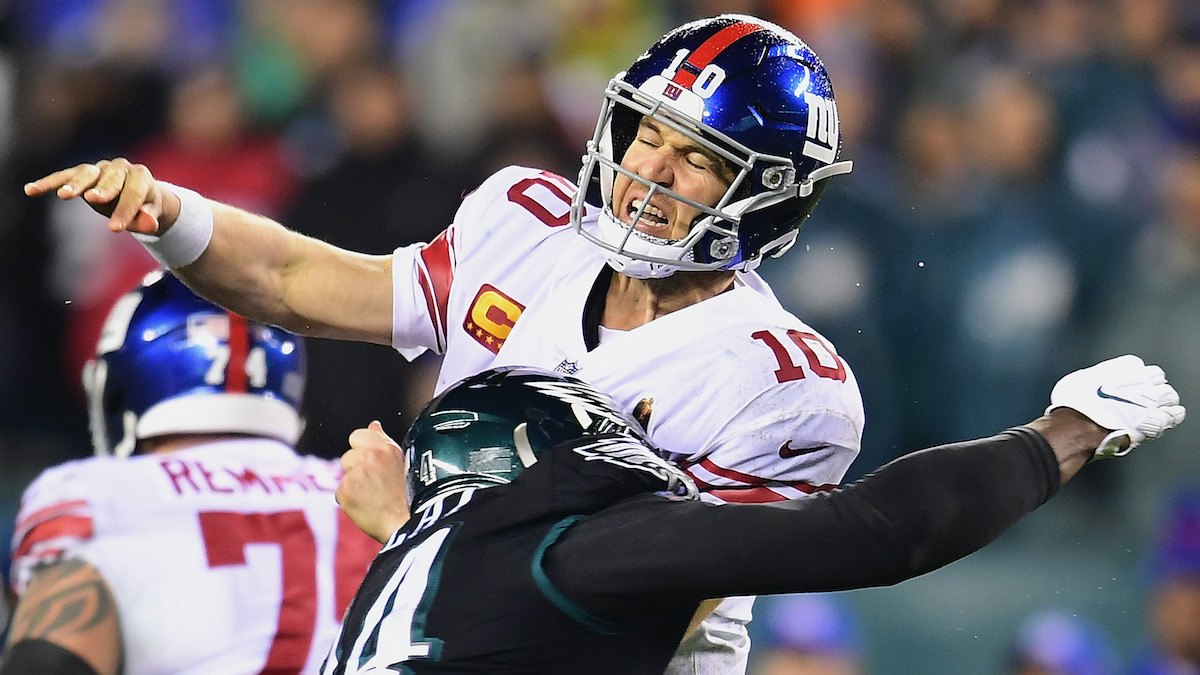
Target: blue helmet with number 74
{"x":752,"y":94}
{"x":170,"y":362}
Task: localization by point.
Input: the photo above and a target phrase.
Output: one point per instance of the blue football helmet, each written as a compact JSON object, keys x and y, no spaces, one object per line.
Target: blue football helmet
{"x":169,"y":362}
{"x":750,"y":92}
{"x":488,"y":428}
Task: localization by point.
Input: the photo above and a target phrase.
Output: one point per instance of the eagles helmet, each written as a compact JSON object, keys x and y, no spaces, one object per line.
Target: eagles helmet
{"x":750,"y":92}
{"x":170,"y":362}
{"x":487,"y":428}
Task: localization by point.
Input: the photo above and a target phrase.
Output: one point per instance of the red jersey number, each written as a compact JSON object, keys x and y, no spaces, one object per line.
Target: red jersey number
{"x":821,"y":358}
{"x":542,"y":203}
{"x":226,"y":535}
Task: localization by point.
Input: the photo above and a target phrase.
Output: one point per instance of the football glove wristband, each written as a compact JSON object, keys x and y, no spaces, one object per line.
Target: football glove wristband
{"x":188,"y":236}
{"x":1125,"y":396}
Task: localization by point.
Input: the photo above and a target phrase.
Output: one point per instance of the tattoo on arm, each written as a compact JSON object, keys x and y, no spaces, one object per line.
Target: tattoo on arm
{"x":77,"y":600}
{"x":69,"y":604}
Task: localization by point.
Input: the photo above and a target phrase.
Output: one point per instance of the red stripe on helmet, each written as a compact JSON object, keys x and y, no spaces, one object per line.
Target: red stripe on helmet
{"x":706,"y":52}
{"x":236,"y":381}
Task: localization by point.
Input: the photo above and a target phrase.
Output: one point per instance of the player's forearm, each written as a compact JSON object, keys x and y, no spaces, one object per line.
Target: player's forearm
{"x":933,"y":507}
{"x":930,"y":508}
{"x":243,"y":268}
{"x":1071,"y":436}
{"x":65,"y":622}
{"x":945,"y":503}
{"x":258,"y":268}
{"x":913,"y":515}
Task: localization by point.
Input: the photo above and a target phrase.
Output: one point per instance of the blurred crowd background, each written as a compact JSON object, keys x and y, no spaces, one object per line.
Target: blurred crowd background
{"x":1025,"y":201}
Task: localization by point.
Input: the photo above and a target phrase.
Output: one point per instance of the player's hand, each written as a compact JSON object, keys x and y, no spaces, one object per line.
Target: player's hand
{"x":1124,"y":395}
{"x":373,"y":490}
{"x":124,"y":192}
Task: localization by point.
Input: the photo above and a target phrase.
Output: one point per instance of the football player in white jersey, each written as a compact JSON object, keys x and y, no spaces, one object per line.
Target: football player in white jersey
{"x":198,"y":541}
{"x":709,"y":153}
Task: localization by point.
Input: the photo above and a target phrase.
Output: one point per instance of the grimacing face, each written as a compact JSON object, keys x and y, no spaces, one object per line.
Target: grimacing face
{"x":664,"y":156}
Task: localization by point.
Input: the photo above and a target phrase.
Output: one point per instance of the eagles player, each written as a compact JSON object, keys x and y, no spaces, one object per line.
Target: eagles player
{"x":547,"y":536}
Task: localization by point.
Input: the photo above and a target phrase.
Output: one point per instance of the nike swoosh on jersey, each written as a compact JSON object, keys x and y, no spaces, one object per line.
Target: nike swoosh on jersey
{"x":1103,"y":394}
{"x":786,"y":451}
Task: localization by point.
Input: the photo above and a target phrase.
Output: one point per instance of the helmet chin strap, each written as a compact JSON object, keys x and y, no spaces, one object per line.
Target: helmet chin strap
{"x":128,"y":442}
{"x":805,"y":187}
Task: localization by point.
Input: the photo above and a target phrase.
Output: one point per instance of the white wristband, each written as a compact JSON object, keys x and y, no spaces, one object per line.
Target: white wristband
{"x":189,"y":234}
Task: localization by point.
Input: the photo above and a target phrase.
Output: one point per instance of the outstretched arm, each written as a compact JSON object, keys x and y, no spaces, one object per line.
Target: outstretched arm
{"x":914,"y":515}
{"x":65,"y":623}
{"x":251,"y":265}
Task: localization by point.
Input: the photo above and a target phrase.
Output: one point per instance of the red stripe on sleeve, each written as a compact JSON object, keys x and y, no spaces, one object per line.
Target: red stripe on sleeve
{"x":436,"y":278}
{"x":79,"y":527}
{"x":721,"y":471}
{"x":755,"y":495}
{"x":236,"y":381}
{"x":752,"y":480}
{"x":50,"y":512}
{"x":709,"y":50}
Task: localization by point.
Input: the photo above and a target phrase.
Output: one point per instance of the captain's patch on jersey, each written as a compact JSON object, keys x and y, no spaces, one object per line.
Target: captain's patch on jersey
{"x":491,"y":317}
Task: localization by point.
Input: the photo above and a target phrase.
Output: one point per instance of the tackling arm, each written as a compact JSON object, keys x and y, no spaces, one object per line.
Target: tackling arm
{"x":914,"y":515}
{"x":65,"y":622}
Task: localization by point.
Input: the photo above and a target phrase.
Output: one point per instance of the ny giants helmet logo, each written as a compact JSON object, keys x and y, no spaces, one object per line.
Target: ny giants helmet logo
{"x":822,"y":130}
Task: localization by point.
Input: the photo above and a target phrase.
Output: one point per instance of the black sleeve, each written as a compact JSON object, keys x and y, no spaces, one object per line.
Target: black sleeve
{"x":915,"y":514}
{"x":43,"y":657}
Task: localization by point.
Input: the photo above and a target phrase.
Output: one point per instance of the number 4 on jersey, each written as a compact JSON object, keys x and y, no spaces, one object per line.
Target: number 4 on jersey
{"x":393,"y":629}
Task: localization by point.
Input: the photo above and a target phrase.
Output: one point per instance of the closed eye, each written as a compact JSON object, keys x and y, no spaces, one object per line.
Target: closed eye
{"x":700,"y":161}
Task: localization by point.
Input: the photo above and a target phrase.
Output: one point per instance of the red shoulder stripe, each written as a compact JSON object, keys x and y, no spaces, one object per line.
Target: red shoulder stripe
{"x":436,"y":277}
{"x":79,"y":527}
{"x":52,"y":511}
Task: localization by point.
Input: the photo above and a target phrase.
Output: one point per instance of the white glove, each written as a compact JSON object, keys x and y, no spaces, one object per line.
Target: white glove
{"x":1123,"y":395}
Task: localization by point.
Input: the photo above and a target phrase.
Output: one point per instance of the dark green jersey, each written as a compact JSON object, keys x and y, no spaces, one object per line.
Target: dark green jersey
{"x":582,"y":565}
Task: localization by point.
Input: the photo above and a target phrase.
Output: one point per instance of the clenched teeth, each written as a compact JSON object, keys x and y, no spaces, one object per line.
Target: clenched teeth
{"x":651,"y":210}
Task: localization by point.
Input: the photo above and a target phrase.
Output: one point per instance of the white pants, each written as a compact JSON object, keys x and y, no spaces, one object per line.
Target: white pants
{"x":720,"y":646}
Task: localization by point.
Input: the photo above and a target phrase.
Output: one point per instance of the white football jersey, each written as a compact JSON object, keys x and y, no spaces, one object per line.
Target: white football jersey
{"x":753,"y":403}
{"x":231,"y":557}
